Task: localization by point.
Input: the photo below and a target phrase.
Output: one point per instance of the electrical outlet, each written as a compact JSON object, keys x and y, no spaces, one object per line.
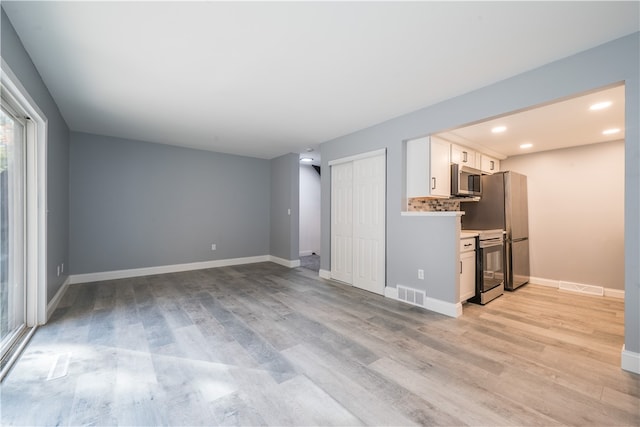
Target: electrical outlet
{"x":421,"y":274}
{"x":213,"y":246}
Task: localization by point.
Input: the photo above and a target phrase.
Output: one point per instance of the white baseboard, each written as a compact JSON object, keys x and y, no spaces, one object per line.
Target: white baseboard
{"x":597,"y":291}
{"x":544,"y":282}
{"x":578,"y":287}
{"x":443,"y":307}
{"x":390,"y":292}
{"x":176,"y":268}
{"x":431,"y":304}
{"x":53,"y":304}
{"x":285,"y":262}
{"x":614,"y":293}
{"x":630,"y":361}
{"x":324,"y":274}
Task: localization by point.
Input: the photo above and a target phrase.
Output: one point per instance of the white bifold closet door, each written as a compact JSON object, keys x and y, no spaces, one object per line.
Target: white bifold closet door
{"x":358,"y":190}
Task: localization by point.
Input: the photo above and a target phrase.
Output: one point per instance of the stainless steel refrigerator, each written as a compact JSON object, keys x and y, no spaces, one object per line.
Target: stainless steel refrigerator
{"x":504,"y":205}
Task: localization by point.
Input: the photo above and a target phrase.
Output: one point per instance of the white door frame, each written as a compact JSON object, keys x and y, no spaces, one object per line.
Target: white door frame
{"x":36,"y":180}
{"x":382,"y":270}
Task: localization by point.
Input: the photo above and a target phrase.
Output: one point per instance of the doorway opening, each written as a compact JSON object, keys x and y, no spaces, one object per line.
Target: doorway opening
{"x":309,"y":234}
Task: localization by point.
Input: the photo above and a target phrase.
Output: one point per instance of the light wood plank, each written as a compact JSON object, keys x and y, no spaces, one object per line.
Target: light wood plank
{"x":261,"y":344}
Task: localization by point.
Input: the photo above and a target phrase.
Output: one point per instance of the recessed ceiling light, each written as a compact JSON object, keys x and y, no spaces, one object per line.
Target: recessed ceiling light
{"x":499,"y":129}
{"x":610,"y":131}
{"x":306,"y":159}
{"x":527,"y":145}
{"x":600,"y":105}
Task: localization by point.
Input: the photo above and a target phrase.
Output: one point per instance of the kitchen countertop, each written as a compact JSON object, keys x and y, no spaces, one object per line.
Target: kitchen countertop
{"x":438,"y":213}
{"x":467,"y":234}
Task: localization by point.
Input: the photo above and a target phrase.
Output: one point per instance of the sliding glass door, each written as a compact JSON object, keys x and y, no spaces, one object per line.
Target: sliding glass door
{"x":12,"y":226}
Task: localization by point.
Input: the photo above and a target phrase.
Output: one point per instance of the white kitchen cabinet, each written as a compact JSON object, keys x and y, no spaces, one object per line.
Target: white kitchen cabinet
{"x":428,"y":168}
{"x":467,"y":268}
{"x":465,"y":156}
{"x":489,"y":164}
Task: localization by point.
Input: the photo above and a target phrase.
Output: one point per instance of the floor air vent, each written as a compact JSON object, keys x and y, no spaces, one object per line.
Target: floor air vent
{"x":410,"y":295}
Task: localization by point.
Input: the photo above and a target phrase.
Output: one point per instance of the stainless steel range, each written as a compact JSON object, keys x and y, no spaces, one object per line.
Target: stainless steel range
{"x":489,"y":265}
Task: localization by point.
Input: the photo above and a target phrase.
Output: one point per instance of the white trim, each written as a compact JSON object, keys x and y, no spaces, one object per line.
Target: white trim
{"x":578,"y":287}
{"x":285,"y":262}
{"x":176,"y":268}
{"x":543,"y":282}
{"x":630,"y":361}
{"x":614,"y":293}
{"x":16,"y":353}
{"x":431,"y":213}
{"x":36,"y":221}
{"x":581,"y":288}
{"x":443,"y":307}
{"x":324,"y":274}
{"x":366,"y":155}
{"x":53,"y":304}
{"x":390,"y":292}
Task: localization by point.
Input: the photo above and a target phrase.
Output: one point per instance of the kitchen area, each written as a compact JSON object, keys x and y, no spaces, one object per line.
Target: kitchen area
{"x":519,"y":215}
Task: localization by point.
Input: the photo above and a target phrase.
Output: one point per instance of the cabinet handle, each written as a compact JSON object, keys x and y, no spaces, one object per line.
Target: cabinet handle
{"x":492,"y":165}
{"x":433,"y":183}
{"x":466,"y":245}
{"x":460,"y":267}
{"x":464,"y":157}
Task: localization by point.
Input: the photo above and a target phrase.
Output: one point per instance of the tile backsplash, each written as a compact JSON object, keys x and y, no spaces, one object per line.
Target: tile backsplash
{"x":426,"y":204}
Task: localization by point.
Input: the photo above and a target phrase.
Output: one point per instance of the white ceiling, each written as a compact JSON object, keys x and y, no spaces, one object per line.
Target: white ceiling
{"x":561,"y":124}
{"x":266,"y":78}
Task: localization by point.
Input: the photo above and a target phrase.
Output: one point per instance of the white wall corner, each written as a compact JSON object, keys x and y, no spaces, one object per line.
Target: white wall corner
{"x":293,"y":263}
{"x":53,"y":304}
{"x":324,"y":274}
{"x":630,"y":361}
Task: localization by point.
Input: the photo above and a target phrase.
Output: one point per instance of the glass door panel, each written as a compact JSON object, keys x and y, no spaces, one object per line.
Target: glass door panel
{"x":12,"y":230}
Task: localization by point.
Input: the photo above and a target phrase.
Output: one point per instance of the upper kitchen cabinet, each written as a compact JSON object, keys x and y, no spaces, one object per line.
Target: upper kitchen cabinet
{"x":428,"y":168}
{"x":465,"y":156}
{"x":489,"y":164}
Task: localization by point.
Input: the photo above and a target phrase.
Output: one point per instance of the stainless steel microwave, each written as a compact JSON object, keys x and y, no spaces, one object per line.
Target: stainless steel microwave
{"x":465,"y":181}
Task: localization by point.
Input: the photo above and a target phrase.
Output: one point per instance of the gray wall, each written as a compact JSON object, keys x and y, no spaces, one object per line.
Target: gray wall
{"x":138,"y":204}
{"x":576,"y":213}
{"x":16,"y":57}
{"x":610,"y":63}
{"x":285,"y":179}
{"x":430,"y":245}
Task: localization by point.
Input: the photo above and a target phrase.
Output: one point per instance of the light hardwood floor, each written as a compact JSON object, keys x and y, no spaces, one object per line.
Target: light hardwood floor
{"x":265,"y":345}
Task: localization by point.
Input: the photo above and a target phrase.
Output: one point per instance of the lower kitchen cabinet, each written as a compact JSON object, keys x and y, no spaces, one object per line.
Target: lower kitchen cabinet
{"x":467,"y":270}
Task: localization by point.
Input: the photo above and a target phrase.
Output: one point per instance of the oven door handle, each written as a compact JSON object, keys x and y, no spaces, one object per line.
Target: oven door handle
{"x":491,"y":242}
